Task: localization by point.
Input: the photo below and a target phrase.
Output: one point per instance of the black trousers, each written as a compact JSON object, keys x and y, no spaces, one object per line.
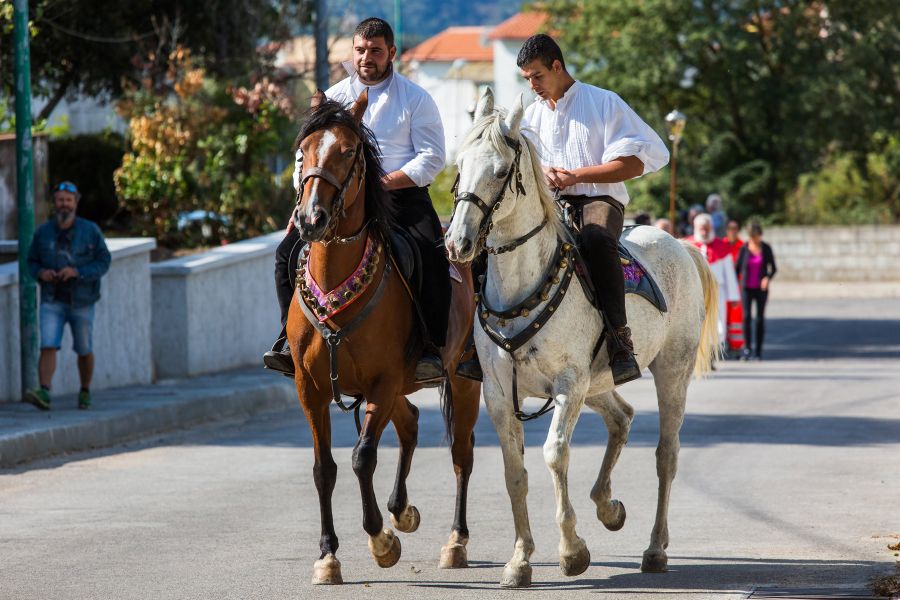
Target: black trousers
{"x":760,"y":297}
{"x":416,"y":215}
{"x":602,"y":220}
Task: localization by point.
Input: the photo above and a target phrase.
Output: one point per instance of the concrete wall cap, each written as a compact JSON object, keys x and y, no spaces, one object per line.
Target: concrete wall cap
{"x":218,"y":257}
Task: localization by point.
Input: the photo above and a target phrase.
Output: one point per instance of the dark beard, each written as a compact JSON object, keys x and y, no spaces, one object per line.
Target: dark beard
{"x":381,"y":76}
{"x":63,"y":216}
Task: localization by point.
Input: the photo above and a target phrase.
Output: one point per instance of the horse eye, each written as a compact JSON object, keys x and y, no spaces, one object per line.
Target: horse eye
{"x":502,"y":174}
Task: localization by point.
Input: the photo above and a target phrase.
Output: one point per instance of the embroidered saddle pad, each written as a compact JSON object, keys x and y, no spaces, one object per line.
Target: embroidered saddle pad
{"x":637,"y":279}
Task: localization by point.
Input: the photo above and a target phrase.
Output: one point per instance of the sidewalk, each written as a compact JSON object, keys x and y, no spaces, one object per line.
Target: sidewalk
{"x":121,"y":414}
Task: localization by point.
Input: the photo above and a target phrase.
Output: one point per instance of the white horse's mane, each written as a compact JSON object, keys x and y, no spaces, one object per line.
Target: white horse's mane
{"x":491,"y":128}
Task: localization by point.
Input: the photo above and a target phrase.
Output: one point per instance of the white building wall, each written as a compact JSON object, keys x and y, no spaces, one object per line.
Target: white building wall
{"x":454,"y":98}
{"x":508,"y":83}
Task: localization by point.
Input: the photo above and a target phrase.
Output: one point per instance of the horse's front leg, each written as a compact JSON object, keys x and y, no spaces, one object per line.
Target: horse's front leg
{"x":404,"y":516}
{"x":618,"y":415}
{"x":517,"y":572}
{"x":383,"y":544}
{"x":569,"y":391}
{"x":326,"y":570}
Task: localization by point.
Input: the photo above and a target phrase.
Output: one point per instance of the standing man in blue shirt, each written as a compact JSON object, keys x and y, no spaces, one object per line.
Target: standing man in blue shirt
{"x":68,"y":256}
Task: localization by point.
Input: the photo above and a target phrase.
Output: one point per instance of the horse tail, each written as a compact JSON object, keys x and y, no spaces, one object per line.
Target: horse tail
{"x":446,"y":396}
{"x":709,"y":349}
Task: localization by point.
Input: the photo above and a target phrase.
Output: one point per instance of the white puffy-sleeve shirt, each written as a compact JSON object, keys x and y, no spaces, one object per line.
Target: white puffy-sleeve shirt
{"x":405,"y":121}
{"x":591,"y":126}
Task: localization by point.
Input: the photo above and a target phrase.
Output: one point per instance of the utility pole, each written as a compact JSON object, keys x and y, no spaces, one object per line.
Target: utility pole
{"x":398,"y":30}
{"x":28,"y":338}
{"x":323,"y":75}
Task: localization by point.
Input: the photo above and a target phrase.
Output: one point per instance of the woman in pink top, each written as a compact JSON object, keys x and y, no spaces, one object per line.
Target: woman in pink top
{"x":755,"y":267}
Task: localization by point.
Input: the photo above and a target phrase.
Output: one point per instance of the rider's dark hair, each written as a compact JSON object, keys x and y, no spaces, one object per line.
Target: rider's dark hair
{"x":540,"y":47}
{"x":379,"y":204}
{"x":372,"y":28}
{"x":756,"y":228}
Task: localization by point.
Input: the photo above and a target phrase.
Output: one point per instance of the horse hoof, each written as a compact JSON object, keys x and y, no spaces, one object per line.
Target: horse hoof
{"x":327,"y":571}
{"x":408,"y":521}
{"x":516,"y":577}
{"x":453,"y":556}
{"x":576,"y":564}
{"x":619,"y":521}
{"x":389,"y":558}
{"x":654,"y":562}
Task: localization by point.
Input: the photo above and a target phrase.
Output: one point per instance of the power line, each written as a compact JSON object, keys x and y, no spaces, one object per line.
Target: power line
{"x":94,"y":38}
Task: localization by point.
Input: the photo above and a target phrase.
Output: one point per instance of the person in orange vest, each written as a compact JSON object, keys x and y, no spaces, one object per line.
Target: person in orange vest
{"x":735,"y":314}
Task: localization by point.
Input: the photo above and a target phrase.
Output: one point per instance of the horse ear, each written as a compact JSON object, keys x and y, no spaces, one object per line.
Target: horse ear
{"x":514,"y":118}
{"x":317,"y":99}
{"x":485,"y":105}
{"x":358,"y":109}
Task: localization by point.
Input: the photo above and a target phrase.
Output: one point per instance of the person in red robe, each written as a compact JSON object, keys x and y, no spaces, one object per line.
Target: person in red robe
{"x":735,"y":318}
{"x":721,"y":263}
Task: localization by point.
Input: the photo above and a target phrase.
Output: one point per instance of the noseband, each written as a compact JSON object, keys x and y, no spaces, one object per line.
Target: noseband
{"x":488,"y":210}
{"x":337,"y":207}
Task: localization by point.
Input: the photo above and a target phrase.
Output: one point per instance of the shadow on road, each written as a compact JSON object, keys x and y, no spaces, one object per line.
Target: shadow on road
{"x":793,"y":338}
{"x":819,"y":578}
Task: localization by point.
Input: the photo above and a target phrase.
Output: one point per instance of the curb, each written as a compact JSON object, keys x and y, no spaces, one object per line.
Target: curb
{"x":142,"y":413}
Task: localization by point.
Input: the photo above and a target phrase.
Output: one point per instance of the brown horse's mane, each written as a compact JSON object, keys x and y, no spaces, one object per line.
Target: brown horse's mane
{"x":380,"y":207}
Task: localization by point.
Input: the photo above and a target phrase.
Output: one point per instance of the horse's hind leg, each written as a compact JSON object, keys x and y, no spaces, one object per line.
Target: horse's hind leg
{"x":404,"y":516}
{"x":618,"y":415}
{"x":383,"y":544}
{"x":465,"y":396}
{"x":574,"y":557}
{"x":326,"y":570}
{"x":671,"y":393}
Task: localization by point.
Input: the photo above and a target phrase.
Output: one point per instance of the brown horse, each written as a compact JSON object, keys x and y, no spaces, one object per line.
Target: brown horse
{"x":344,"y":213}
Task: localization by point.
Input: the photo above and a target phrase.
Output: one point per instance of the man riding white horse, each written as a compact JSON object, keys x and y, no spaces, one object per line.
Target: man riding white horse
{"x":590,"y":142}
{"x":410,"y":134}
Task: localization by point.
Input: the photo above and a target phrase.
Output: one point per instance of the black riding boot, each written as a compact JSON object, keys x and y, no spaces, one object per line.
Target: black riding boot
{"x":279,"y":357}
{"x":600,"y":239}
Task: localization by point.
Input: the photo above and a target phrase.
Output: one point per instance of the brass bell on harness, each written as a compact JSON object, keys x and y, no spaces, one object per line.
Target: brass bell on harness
{"x":502,"y":322}
{"x":563,"y":263}
{"x":484,"y":314}
{"x":524,"y":312}
{"x":348,"y":295}
{"x":567,"y":247}
{"x":555,"y":279}
{"x":335,"y":302}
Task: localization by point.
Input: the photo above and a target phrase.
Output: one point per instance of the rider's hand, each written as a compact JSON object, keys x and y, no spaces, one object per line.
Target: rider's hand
{"x":47,"y":275}
{"x":565,"y":178}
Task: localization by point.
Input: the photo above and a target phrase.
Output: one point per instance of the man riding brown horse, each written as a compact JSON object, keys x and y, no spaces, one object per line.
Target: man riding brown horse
{"x":408,"y":128}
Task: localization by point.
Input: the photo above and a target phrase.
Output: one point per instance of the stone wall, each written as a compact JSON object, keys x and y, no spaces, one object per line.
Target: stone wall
{"x":121,"y":325}
{"x":840,"y":253}
{"x":216,"y":310}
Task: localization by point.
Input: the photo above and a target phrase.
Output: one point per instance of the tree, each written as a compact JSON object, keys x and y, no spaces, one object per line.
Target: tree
{"x":768,"y":85}
{"x":89,"y":46}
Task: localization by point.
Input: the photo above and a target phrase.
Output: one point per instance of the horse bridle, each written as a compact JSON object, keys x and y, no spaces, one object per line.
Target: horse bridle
{"x":337,"y":207}
{"x":488,"y":210}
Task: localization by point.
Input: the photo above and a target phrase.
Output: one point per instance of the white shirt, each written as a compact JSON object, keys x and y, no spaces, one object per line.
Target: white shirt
{"x":591,"y":126}
{"x":405,"y":121}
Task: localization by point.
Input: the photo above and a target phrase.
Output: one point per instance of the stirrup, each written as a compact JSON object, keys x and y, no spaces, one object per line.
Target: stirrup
{"x":470,"y":369}
{"x":429,"y":371}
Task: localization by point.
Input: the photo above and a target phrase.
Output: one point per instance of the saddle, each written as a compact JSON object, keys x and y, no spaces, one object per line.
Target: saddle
{"x":637,"y":279}
{"x":407,"y":258}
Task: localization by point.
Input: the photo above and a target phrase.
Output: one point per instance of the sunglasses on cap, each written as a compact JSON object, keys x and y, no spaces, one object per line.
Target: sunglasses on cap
{"x":65,"y":186}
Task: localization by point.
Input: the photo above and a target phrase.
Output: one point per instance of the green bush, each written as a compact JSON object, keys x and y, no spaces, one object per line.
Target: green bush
{"x":851,"y":189}
{"x":441,"y":194}
{"x":205,"y":146}
{"x":90,"y":161}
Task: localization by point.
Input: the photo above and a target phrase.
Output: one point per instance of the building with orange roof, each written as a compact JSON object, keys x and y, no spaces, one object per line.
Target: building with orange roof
{"x":507,"y":39}
{"x":454,"y":66}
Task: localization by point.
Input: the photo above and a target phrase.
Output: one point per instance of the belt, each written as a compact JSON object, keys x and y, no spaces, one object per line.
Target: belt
{"x":581,"y":201}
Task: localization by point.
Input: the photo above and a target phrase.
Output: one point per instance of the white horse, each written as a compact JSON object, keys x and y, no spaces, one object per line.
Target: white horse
{"x":499,"y":169}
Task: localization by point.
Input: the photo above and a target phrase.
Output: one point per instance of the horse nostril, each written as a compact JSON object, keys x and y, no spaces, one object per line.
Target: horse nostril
{"x":465,"y":246}
{"x":317,"y":215}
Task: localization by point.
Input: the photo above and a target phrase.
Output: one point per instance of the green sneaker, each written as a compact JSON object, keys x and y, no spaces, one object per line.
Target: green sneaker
{"x":84,"y":399}
{"x":39,"y":397}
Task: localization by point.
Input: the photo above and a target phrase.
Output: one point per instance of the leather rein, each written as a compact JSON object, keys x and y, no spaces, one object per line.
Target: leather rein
{"x":559,"y":273}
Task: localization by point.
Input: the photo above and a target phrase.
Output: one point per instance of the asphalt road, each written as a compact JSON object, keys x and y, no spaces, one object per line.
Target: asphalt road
{"x":788,"y":483}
